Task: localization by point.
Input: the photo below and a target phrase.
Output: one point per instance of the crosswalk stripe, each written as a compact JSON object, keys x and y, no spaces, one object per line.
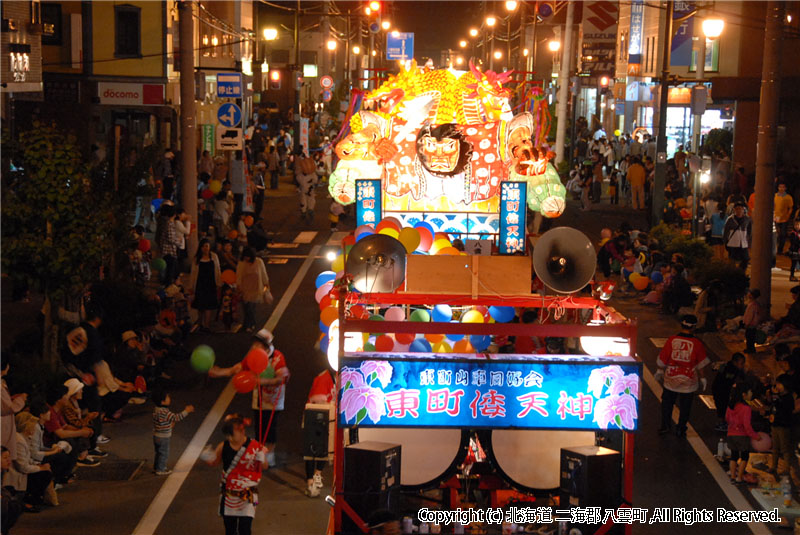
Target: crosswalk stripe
{"x":306,"y":236}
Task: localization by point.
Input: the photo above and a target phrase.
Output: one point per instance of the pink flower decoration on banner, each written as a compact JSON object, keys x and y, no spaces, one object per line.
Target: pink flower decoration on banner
{"x":617,"y":410}
{"x":603,"y":377}
{"x":358,"y":403}
{"x":629,"y":382}
{"x":381,"y":369}
{"x":352,"y":376}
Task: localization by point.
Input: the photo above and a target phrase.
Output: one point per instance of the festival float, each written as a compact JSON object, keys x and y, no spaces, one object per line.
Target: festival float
{"x":462,"y":383}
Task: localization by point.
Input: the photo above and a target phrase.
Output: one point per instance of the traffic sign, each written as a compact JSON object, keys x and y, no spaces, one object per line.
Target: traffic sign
{"x":326,"y":82}
{"x":400,"y":45}
{"x":326,"y":96}
{"x":229,"y":115}
{"x":229,"y":139}
{"x":229,"y":84}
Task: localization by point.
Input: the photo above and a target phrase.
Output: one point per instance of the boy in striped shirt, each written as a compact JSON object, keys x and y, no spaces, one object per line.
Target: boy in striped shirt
{"x":163,"y":422}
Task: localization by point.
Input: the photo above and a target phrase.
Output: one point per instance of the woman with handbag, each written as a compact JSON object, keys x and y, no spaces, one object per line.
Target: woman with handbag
{"x":253,"y":284}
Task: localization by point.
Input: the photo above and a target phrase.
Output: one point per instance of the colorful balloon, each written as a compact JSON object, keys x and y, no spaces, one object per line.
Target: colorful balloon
{"x":434,"y":338}
{"x":215,"y":186}
{"x":358,"y":312}
{"x":368,"y":229}
{"x":472,"y":316}
{"x":395,"y":314}
{"x":158,"y":264}
{"x":323,"y":344}
{"x":463,"y":346}
{"x":245,"y":381}
{"x":384,"y":343}
{"x":326,"y":302}
{"x":641,"y":283}
{"x":323,"y":328}
{"x":442,"y":313}
{"x":479,"y":342}
{"x":325,"y":276}
{"x":257,"y":360}
{"x":338,"y":263}
{"x":328,"y":315}
{"x":156,"y":204}
{"x":228,"y":276}
{"x":425,"y":239}
{"x":202,"y":358}
{"x":232,"y":235}
{"x":420,"y":345}
{"x":207,"y":194}
{"x":390,"y":231}
{"x":144,"y":245}
{"x":350,"y":239}
{"x":442,"y":347}
{"x":368,"y":347}
{"x":404,"y":338}
{"x":323,"y":290}
{"x":387,"y":223}
{"x":420,"y":314}
{"x":439,"y":244}
{"x":502,"y":314}
{"x":657,"y":277}
{"x":427,"y":226}
{"x":448,"y":251}
{"x":410,"y":239}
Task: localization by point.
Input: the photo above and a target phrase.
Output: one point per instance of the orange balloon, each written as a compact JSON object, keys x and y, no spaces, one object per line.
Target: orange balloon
{"x":384,"y":343}
{"x":463,"y":346}
{"x":387,"y":223}
{"x":449,"y":251}
{"x":325,"y":302}
{"x":248,"y":220}
{"x":405,"y":338}
{"x":328,"y":315}
{"x":425,"y":239}
{"x":441,"y":236}
{"x":232,"y":235}
{"x":433,"y":338}
{"x":229,"y":276}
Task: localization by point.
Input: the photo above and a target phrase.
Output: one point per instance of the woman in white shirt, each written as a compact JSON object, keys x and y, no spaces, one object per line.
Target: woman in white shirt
{"x":183,"y":227}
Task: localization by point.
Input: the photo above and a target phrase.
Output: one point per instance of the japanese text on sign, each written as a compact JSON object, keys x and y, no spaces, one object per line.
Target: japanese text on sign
{"x":567,"y":393}
{"x":513,"y":197}
{"x":368,"y":202}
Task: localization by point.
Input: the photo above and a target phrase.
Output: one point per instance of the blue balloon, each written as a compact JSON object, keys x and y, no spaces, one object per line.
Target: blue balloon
{"x":325,"y":276}
{"x":363,"y":235}
{"x":442,"y":313}
{"x":420,"y":345}
{"x":480,"y":342}
{"x":323,"y":344}
{"x":324,"y":328}
{"x":426,"y":225}
{"x":657,"y":277}
{"x":502,"y":314}
{"x":454,"y":337}
{"x":156,"y":204}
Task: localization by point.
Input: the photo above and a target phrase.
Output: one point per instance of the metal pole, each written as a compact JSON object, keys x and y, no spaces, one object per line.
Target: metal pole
{"x":661,"y":139}
{"x":188,"y":121}
{"x":696,"y":123}
{"x":347,"y":54}
{"x":766,"y":153}
{"x":297,"y":87}
{"x":371,"y":59}
{"x":508,"y":48}
{"x":563,"y":87}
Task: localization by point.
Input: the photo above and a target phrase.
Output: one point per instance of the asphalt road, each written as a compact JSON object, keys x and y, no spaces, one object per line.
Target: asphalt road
{"x":668,"y":471}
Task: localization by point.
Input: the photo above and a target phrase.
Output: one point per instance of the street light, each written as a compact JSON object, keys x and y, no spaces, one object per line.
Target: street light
{"x":491,"y":21}
{"x":356,"y":50}
{"x":511,"y":5}
{"x":375,"y":6}
{"x":331,"y":44}
{"x":554,"y":46}
{"x":270,"y":34}
{"x":473,"y":32}
{"x":386,"y":25}
{"x":459,"y":60}
{"x":462,"y":43}
{"x":712,"y":28}
{"x":498,"y":54}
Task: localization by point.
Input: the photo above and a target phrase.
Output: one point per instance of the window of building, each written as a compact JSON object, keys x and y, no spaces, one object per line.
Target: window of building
{"x":127,"y":31}
{"x":712,"y":57}
{"x":51,"y":24}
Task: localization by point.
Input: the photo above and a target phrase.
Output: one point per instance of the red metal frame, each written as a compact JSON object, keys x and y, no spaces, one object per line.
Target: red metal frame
{"x":627,"y":329}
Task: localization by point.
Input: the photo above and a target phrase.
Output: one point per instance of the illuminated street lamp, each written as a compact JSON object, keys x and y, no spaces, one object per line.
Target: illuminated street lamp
{"x":525,"y":52}
{"x":374,"y":52}
{"x":554,"y":46}
{"x":375,"y":6}
{"x":473,"y":32}
{"x":459,"y":60}
{"x":712,"y":28}
{"x":331,"y":44}
{"x":386,"y":25}
{"x":356,"y":50}
{"x":463,"y":43}
{"x":270,"y":34}
{"x":498,"y":54}
{"x":511,"y":5}
{"x":491,"y":21}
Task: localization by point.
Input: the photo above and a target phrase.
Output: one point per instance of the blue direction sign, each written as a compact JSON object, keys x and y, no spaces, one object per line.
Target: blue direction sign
{"x":400,"y":45}
{"x":229,"y":84}
{"x":229,"y":115}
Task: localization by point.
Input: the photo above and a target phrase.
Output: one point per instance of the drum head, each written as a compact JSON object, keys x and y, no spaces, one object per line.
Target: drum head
{"x":530,"y":460}
{"x":427,"y":457}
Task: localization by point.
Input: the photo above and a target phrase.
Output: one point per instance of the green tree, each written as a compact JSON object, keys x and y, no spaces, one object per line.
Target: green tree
{"x":55,"y":228}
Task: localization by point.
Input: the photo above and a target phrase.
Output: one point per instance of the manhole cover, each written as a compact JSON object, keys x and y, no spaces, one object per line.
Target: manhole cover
{"x":110,"y":471}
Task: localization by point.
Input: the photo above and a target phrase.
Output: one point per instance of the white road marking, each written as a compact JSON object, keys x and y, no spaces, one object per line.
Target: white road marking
{"x":336,"y":238}
{"x":739,"y":502}
{"x":166,"y":494}
{"x":283,"y":245}
{"x":306,"y":236}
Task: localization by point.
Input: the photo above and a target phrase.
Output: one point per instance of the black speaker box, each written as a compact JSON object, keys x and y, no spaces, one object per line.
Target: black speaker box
{"x":371,"y":479}
{"x":591,"y":476}
{"x":315,"y":433}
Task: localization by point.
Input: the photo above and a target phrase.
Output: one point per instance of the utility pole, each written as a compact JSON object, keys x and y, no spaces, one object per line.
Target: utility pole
{"x":766,"y":152}
{"x":696,"y":124}
{"x":661,"y":139}
{"x":297,"y":88}
{"x":188,"y":121}
{"x":563,"y":87}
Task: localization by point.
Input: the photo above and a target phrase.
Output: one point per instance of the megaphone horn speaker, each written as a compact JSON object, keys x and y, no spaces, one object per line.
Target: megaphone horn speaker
{"x":564,"y":259}
{"x":377,"y":263}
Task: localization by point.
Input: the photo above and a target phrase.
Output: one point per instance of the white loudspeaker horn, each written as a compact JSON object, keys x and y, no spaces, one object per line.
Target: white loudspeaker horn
{"x":564,"y":259}
{"x":377,"y":263}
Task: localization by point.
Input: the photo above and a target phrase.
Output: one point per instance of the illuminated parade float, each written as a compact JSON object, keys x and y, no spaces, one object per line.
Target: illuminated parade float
{"x":456,"y":375}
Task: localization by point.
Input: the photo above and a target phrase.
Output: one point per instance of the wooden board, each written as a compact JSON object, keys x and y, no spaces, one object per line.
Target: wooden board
{"x":494,"y":275}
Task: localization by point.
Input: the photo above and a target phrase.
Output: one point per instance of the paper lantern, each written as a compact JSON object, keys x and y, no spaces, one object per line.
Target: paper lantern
{"x":228,"y":276}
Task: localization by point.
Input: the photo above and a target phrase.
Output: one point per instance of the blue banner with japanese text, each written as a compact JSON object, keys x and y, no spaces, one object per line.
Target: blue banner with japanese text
{"x":513,"y":198}
{"x":368,"y":202}
{"x":563,"y":392}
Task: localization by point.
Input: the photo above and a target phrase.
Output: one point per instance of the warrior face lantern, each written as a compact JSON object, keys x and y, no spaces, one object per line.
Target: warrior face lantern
{"x":443,"y":149}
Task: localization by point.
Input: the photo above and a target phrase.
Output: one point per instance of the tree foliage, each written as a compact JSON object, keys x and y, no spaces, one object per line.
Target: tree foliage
{"x":54,"y":226}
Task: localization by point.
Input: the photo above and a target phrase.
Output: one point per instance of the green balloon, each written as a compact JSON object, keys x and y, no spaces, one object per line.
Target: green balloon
{"x":268,"y":373}
{"x":202,"y":358}
{"x":369,"y":347}
{"x":158,"y":264}
{"x":420,"y":315}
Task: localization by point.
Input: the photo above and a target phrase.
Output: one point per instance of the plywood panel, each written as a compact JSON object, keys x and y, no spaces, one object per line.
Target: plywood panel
{"x":496,"y":275}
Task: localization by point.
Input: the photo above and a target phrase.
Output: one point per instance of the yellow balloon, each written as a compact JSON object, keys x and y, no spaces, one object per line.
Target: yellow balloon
{"x":215,"y":186}
{"x":338,"y":263}
{"x":450,"y":251}
{"x":442,"y":347}
{"x":439,"y":244}
{"x":410,"y":239}
{"x":389,"y":231}
{"x":472,"y":316}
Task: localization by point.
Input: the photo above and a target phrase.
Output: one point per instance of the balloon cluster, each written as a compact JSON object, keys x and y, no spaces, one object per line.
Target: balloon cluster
{"x":254,"y":365}
{"x":642,"y":282}
{"x":419,"y":239}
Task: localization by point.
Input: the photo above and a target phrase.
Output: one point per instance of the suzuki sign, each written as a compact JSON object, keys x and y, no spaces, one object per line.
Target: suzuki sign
{"x":130,"y":94}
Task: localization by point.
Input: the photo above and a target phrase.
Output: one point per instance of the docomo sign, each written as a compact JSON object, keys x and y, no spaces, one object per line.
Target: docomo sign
{"x":131,"y":94}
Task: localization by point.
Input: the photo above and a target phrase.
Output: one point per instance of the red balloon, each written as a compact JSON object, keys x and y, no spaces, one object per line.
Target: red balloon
{"x":348,"y":240}
{"x":245,"y":382}
{"x":207,"y":194}
{"x":386,"y":223}
{"x":358,"y":312}
{"x":484,"y":311}
{"x":384,"y":343}
{"x":425,"y":239}
{"x":144,"y":245}
{"x":257,"y":360}
{"x":325,"y":302}
{"x":405,"y":338}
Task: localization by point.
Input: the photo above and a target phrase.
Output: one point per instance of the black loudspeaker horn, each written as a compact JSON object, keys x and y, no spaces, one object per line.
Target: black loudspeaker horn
{"x":564,"y":259}
{"x":377,"y":263}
